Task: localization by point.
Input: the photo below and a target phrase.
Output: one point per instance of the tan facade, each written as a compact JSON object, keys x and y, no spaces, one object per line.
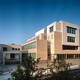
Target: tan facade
{"x":58,"y":40}
{"x":42,"y":49}
{"x":65,"y":34}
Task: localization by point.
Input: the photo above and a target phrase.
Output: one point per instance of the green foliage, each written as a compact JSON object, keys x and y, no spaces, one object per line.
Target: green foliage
{"x":59,"y":70}
{"x":18,"y":74}
{"x":25,"y":70}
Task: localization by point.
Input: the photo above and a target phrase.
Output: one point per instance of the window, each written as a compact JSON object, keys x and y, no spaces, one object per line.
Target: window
{"x":4,"y":48}
{"x":61,"y":56}
{"x":18,"y":48}
{"x":77,"y":55}
{"x":70,"y":39}
{"x":51,"y":29}
{"x":15,"y":48}
{"x":70,"y":56}
{"x":12,"y":48}
{"x":29,"y":46}
{"x":71,"y":30}
{"x":45,"y":31}
{"x":66,"y":47}
{"x":12,"y":56}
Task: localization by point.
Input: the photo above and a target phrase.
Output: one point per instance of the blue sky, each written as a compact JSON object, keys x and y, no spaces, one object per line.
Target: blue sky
{"x":20,"y":19}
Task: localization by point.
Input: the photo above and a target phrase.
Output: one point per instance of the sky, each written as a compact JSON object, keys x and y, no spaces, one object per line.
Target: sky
{"x":20,"y":19}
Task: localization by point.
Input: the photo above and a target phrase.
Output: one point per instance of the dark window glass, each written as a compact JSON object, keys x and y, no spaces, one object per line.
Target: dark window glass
{"x":65,"y":47}
{"x":18,"y":48}
{"x":71,"y":30}
{"x":70,"y":56}
{"x":29,"y":46}
{"x":61,"y":56}
{"x":15,"y":48}
{"x":4,"y":48}
{"x":12,"y":56}
{"x":77,"y":56}
{"x":12,"y":48}
{"x":45,"y":31}
{"x":70,"y":39}
{"x":51,"y":29}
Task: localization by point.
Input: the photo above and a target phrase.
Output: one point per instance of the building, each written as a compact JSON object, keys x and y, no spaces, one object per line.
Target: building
{"x":59,"y":40}
{"x":10,"y":53}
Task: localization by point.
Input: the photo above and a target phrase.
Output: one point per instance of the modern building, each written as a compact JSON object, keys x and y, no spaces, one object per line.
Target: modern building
{"x":59,"y":40}
{"x":10,"y":53}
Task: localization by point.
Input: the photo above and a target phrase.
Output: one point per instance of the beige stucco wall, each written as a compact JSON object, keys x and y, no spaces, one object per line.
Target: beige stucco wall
{"x":14,"y":46}
{"x":4,"y":45}
{"x":51,"y":41}
{"x":57,"y":42}
{"x":9,"y":46}
{"x":40,"y":32}
{"x":42,"y":49}
{"x":58,"y":26}
{"x":79,"y":40}
{"x":58,"y":45}
{"x":65,"y":34}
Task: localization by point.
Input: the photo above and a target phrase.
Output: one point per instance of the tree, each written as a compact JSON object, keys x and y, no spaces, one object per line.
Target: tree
{"x":25,"y":69}
{"x":60,"y":70}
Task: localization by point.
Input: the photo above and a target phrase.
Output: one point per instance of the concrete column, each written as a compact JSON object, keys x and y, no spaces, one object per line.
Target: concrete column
{"x":20,"y":57}
{"x":66,"y":56}
{"x":74,"y":56}
{"x":3,"y":58}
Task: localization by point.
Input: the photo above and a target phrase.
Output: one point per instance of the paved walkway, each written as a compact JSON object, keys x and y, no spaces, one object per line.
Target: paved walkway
{"x":6,"y":69}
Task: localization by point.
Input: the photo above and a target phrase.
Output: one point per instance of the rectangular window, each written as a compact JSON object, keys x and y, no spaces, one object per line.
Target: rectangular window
{"x":70,"y":56}
{"x":4,"y":48}
{"x":77,"y":56}
{"x":70,"y":39}
{"x":12,"y":48}
{"x":66,"y":47}
{"x":71,"y":30}
{"x":29,"y":46}
{"x":51,"y":29}
{"x":18,"y":48}
{"x":15,"y":48}
{"x":61,"y":56}
{"x":45,"y":31}
{"x":12,"y":55}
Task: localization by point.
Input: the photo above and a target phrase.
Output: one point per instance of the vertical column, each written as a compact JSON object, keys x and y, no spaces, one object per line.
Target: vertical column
{"x":74,"y":56}
{"x":3,"y":58}
{"x":20,"y":56}
{"x":66,"y":56}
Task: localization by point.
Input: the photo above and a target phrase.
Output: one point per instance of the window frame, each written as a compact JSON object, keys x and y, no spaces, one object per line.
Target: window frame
{"x":71,"y":39}
{"x":51,"y":29}
{"x":71,"y":30}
